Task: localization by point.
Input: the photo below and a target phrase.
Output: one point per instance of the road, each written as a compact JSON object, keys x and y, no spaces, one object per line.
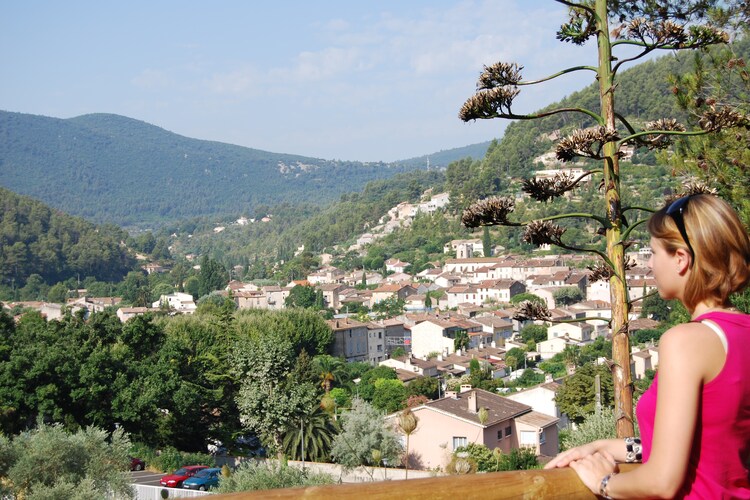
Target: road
{"x":146,"y":477}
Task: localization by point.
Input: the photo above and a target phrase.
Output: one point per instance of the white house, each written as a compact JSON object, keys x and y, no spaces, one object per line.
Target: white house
{"x":575,"y":331}
{"x":541,"y":398}
{"x":179,"y":302}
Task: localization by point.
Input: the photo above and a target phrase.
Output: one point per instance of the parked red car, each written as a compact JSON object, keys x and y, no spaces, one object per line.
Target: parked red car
{"x":175,"y":479}
{"x":137,"y":464}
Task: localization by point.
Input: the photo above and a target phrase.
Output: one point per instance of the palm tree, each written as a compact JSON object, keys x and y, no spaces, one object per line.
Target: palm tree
{"x":314,"y":433}
{"x":571,"y":354}
{"x":330,"y":368}
{"x":461,"y":341}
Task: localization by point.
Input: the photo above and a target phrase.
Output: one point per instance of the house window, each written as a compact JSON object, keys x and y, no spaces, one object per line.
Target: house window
{"x":459,"y":442}
{"x":508,"y":431}
{"x":528,"y":438}
{"x":542,"y":437}
{"x":499,"y":434}
{"x":380,"y":335}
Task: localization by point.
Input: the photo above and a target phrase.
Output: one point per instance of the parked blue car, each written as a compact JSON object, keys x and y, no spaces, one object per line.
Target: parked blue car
{"x":203,"y":480}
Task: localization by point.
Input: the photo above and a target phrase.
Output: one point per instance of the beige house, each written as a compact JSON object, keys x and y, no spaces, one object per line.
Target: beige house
{"x":436,"y":335}
{"x":396,"y":290}
{"x":646,"y":359}
{"x":250,"y":299}
{"x":275,"y":295}
{"x":332,"y":294}
{"x":125,"y":313}
{"x":453,"y":421}
{"x":328,"y":274}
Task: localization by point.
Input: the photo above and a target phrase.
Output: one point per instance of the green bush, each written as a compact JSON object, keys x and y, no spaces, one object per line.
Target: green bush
{"x":482,"y":459}
{"x":594,"y":427}
{"x":50,"y":463}
{"x":252,"y":476}
{"x":170,"y":459}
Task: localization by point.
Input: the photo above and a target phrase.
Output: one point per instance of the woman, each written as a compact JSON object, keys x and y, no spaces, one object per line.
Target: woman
{"x":695,"y":417}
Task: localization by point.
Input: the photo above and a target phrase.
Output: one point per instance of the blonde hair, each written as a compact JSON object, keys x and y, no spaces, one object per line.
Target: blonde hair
{"x":721,"y":246}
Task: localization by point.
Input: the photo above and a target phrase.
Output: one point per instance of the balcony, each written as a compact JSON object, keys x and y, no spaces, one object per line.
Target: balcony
{"x":528,"y":484}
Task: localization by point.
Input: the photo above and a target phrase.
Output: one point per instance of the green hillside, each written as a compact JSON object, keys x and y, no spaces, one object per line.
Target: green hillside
{"x":108,"y":168}
{"x":35,"y":239}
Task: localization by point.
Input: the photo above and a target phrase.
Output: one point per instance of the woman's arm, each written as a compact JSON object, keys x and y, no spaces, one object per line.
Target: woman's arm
{"x":688,"y":356}
{"x":615,"y":447}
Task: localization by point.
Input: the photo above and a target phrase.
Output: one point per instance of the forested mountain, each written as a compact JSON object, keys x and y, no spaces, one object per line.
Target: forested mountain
{"x":35,"y":239}
{"x":109,"y":168}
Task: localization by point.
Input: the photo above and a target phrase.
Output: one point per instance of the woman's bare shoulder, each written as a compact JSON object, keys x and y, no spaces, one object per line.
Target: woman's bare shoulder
{"x":695,"y":344}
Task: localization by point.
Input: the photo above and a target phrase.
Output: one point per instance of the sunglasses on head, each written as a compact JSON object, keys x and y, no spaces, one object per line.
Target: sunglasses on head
{"x":676,"y":210}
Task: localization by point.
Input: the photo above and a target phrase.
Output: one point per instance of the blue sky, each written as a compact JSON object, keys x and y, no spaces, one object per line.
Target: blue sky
{"x":353,"y":80}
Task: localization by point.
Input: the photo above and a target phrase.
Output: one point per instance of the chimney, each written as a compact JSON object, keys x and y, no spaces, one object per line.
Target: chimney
{"x":472,"y":399}
{"x":465,"y":388}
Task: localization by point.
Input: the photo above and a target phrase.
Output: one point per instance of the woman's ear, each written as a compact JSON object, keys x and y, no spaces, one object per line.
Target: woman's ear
{"x":683,"y":260}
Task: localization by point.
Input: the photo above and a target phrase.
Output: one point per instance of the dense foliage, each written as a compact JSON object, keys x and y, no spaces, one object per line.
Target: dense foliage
{"x":36,"y":240}
{"x":48,"y":462}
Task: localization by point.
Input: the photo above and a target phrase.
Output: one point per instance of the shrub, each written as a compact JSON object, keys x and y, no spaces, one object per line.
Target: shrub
{"x":592,"y":428}
{"x":252,"y":476}
{"x":171,"y":459}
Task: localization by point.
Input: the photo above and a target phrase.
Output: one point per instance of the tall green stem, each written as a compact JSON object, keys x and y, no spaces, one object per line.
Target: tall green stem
{"x":623,"y":389}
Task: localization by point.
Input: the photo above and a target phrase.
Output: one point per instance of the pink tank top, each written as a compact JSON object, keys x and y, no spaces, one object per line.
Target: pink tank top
{"x":721,"y":447}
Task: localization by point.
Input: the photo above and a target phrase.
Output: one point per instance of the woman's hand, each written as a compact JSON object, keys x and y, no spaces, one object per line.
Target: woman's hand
{"x":565,"y":458}
{"x":593,"y":468}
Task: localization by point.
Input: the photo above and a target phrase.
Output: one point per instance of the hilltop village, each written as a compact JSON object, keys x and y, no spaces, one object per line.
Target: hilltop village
{"x":438,"y":322}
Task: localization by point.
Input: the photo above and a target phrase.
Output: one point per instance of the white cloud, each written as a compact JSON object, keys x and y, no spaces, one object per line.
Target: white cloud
{"x":328,"y":63}
{"x":152,"y":79}
{"x":245,"y":81}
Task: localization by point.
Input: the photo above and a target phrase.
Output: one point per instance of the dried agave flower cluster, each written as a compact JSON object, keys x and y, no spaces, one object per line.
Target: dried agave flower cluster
{"x":540,"y":233}
{"x":660,"y":141}
{"x":690,"y":189}
{"x":669,"y":33}
{"x":496,"y":89}
{"x":549,"y":187}
{"x":499,"y":75}
{"x":714,"y":120}
{"x":492,"y":211}
{"x":581,"y":143}
{"x":601,"y":272}
{"x":528,"y":310}
{"x":488,"y":103}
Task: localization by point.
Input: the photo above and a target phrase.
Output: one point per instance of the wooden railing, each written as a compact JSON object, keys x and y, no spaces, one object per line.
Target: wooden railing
{"x":528,"y":484}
